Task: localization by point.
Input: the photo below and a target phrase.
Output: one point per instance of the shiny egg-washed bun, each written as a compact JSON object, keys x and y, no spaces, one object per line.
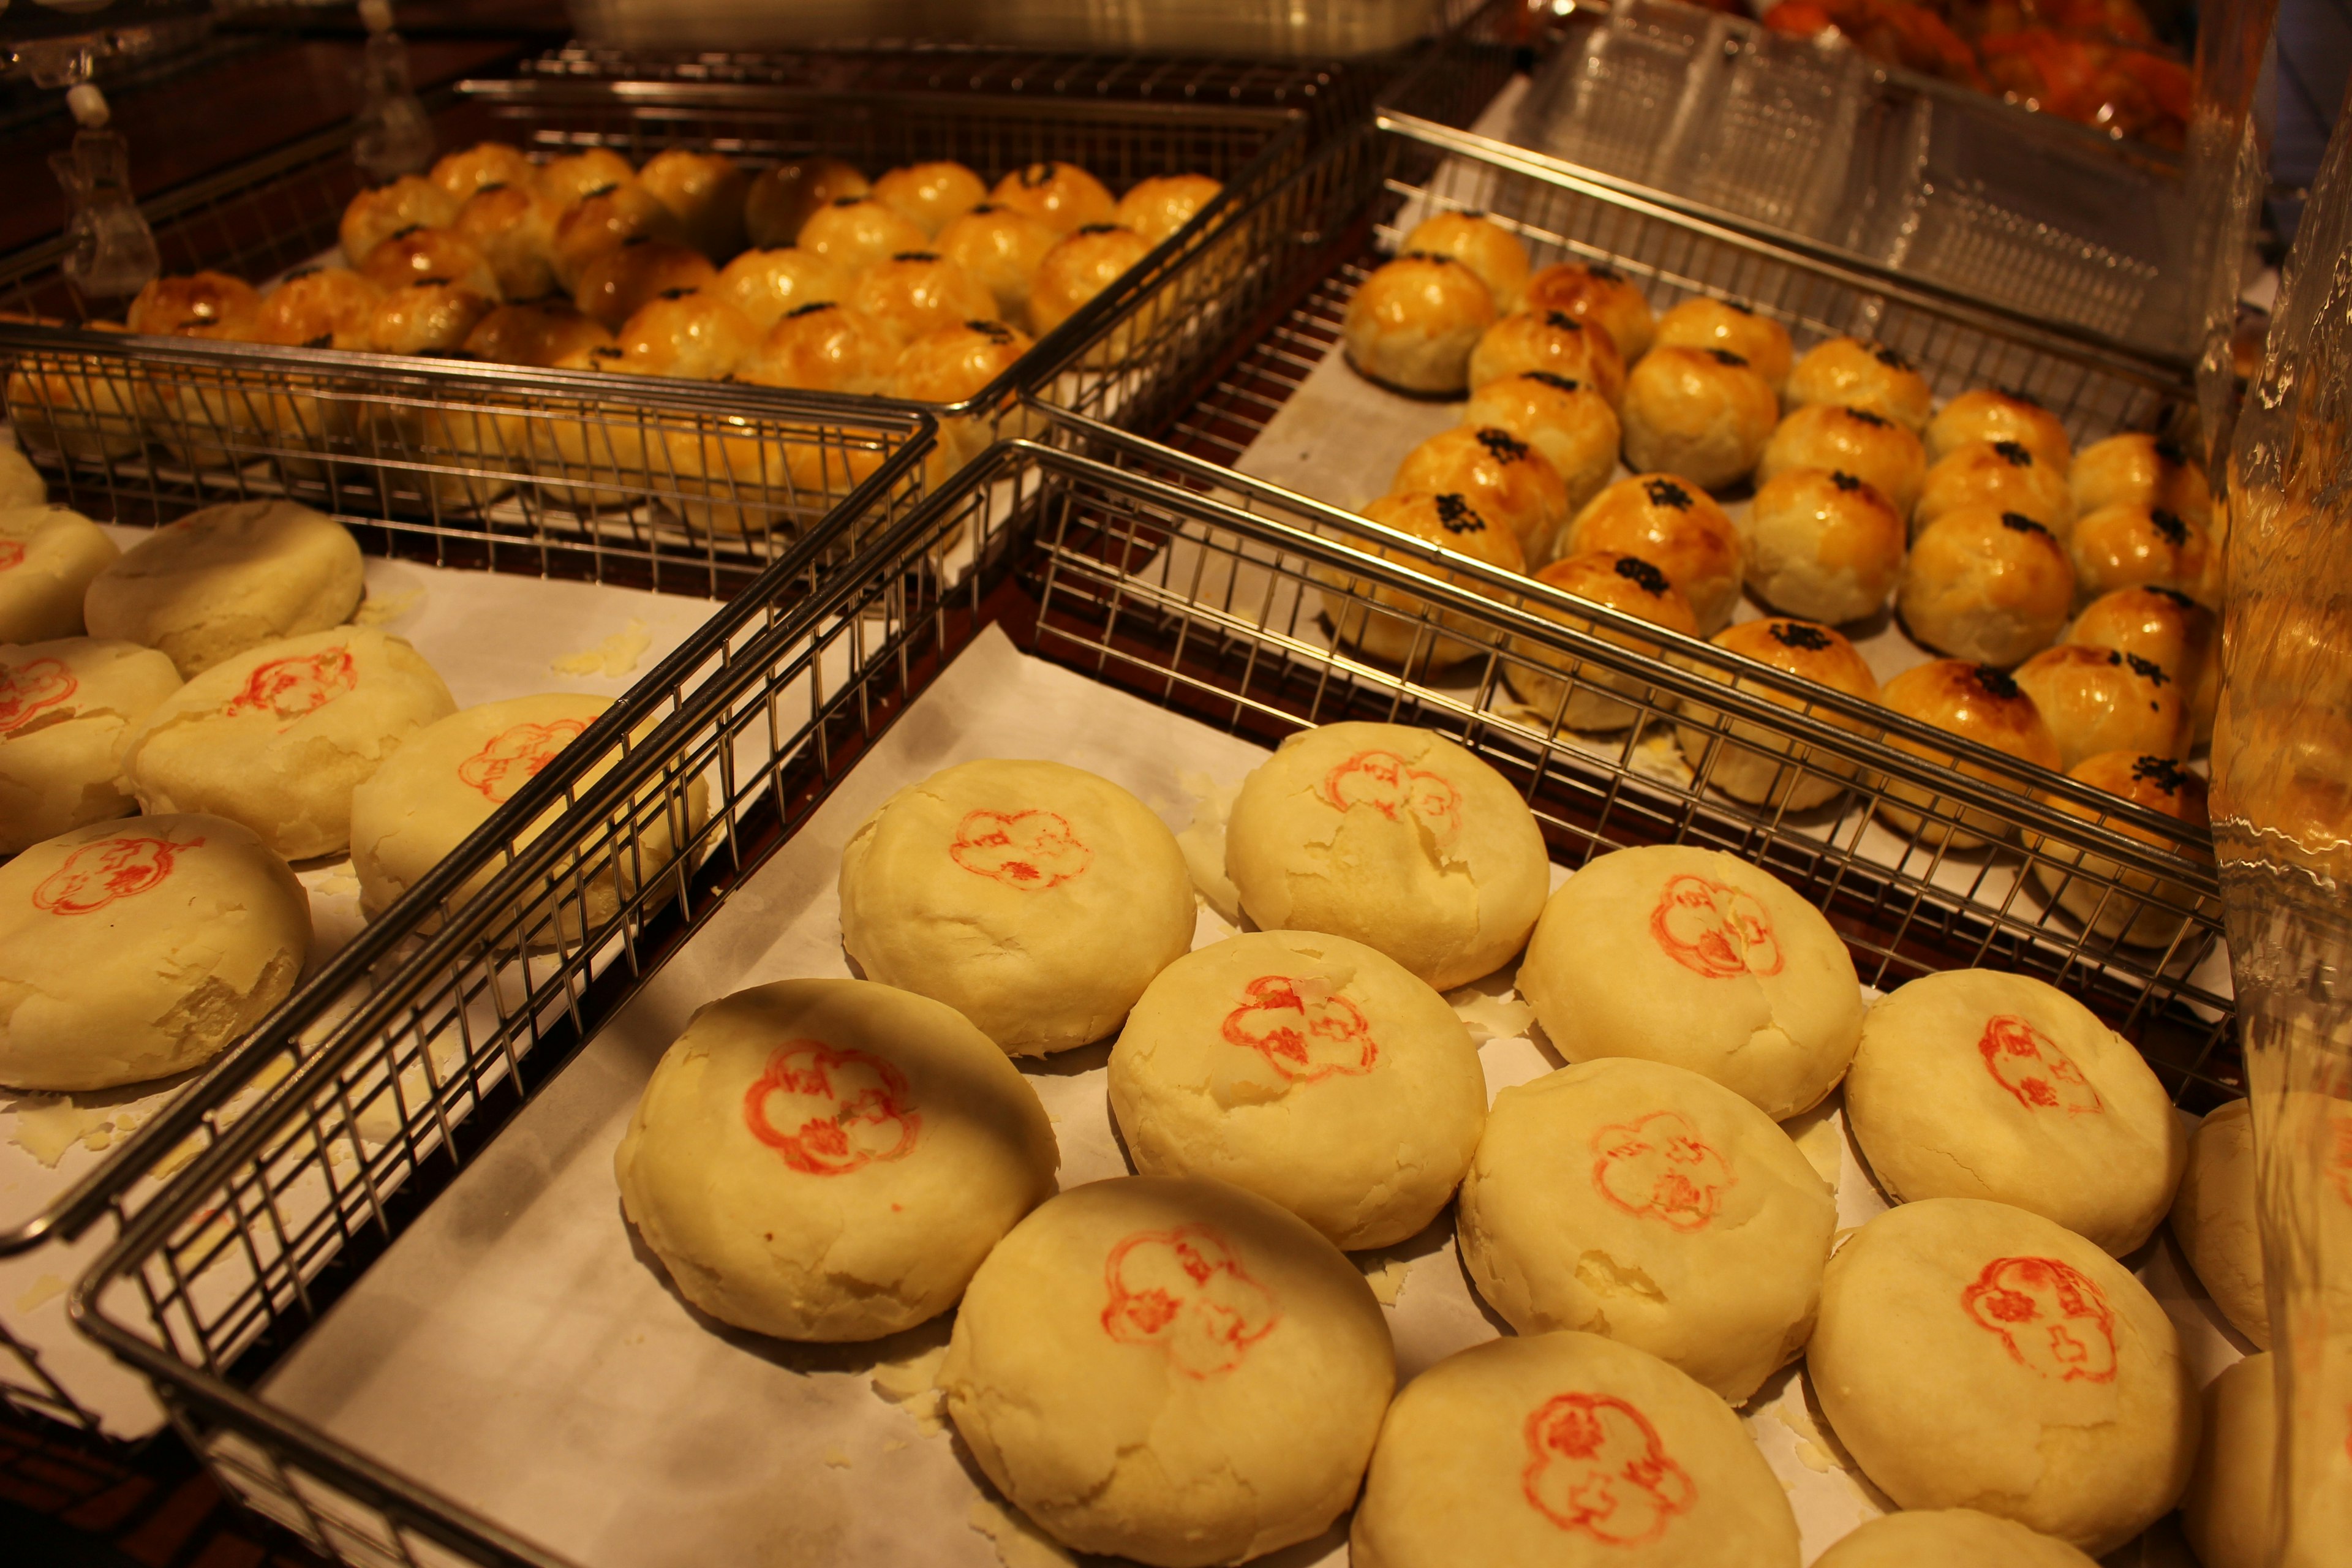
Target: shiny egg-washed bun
{"x":1857,"y":373}
{"x":1989,"y":586}
{"x":1570,"y":423}
{"x":1822,"y":545}
{"x":1498,"y":256}
{"x":1414,"y":322}
{"x":1507,"y":480}
{"x":1550,"y":340}
{"x":1574,"y":694}
{"x":1703,"y":323}
{"x":1999,"y":474}
{"x":1598,"y":297}
{"x":1990,"y":414}
{"x":1749,"y":763}
{"x":1675,"y":527}
{"x":1869,"y":446}
{"x":1976,"y":702}
{"x":1701,"y":413}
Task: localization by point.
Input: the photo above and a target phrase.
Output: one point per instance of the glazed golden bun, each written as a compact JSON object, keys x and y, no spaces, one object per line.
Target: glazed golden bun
{"x":1704,"y":323}
{"x":930,"y":195}
{"x":1988,"y":587}
{"x":619,"y":283}
{"x":316,"y":307}
{"x":687,"y":334}
{"x":1414,"y":322}
{"x":1570,"y":693}
{"x":1498,"y":256}
{"x":1856,"y":374}
{"x":2140,"y":546}
{"x":483,"y":164}
{"x":198,"y":305}
{"x":823,"y":348}
{"x":1874,"y":449}
{"x":705,"y":192}
{"x":1699,"y":413}
{"x":1598,"y":297}
{"x":1158,"y":207}
{"x":855,"y":233}
{"x":783,"y":197}
{"x":1822,"y":545}
{"x":2003,"y":475}
{"x":1976,"y":702}
{"x":604,"y":220}
{"x":1673,"y":526}
{"x":2098,"y":699}
{"x":1409,"y":633}
{"x":374,"y":216}
{"x":764,"y":284}
{"x":956,"y":362}
{"x":1570,"y":423}
{"x":570,"y":180}
{"x":514,"y":228}
{"x":1988,"y":413}
{"x":917,"y":293}
{"x":2168,"y":630}
{"x":1749,"y":763}
{"x":427,"y":316}
{"x":1552,"y":340}
{"x":1086,"y":261}
{"x":1003,"y":249}
{"x":1502,"y":478}
{"x":2128,"y":906}
{"x":2137,"y":469}
{"x":418,"y":254}
{"x":539,"y":333}
{"x":1061,"y":196}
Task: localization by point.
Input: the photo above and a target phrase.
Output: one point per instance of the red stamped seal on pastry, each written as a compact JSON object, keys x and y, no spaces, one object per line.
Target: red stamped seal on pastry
{"x":828,"y":1111}
{"x":1659,"y":1168}
{"x":12,"y":553}
{"x":1307,"y":1030}
{"x":2049,"y":1314}
{"x":29,"y":689}
{"x":2035,"y":1068}
{"x":1185,"y":1291}
{"x":512,"y":757}
{"x":1596,"y":1465}
{"x":1398,"y":791}
{"x":1030,"y":851}
{"x":97,"y":874}
{"x":291,"y":689}
{"x":1713,"y":928}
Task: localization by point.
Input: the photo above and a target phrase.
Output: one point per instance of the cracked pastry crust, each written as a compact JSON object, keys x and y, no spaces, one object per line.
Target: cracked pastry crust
{"x":831,"y":1159}
{"x":1973,"y":1355}
{"x":67,"y":708}
{"x":1393,"y":836}
{"x":56,"y":551}
{"x":1948,"y":1538}
{"x":226,"y":579}
{"x":1173,"y":1371}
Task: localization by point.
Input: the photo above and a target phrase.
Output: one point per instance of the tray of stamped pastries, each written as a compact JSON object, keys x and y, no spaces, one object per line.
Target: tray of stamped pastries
{"x":1106,"y":1079}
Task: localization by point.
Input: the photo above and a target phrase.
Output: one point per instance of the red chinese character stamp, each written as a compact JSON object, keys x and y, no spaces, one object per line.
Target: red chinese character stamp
{"x":1382,"y":781}
{"x":829,"y":1112}
{"x":1185,"y":1291}
{"x":12,"y":553}
{"x":96,"y":874}
{"x":1713,"y":928}
{"x":28,"y":689}
{"x":1030,"y":851}
{"x":1596,"y":1465}
{"x":512,"y":757}
{"x":1659,"y":1168}
{"x":1308,"y":1036}
{"x":2050,"y":1315}
{"x":292,"y":687}
{"x":2035,"y":1068}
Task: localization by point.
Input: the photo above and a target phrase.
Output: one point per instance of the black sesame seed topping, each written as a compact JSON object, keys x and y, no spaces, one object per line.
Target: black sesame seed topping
{"x":1098,"y":228}
{"x":1865,"y":416}
{"x":1844,"y":480}
{"x":988,"y":208}
{"x":492,"y":185}
{"x":1037,"y":175}
{"x":1455,"y":515}
{"x":676,"y":293}
{"x":1995,"y":683}
{"x":2175,"y":595}
{"x":2018,"y":523}
{"x":1503,"y":445}
{"x":799,"y":310}
{"x":1743,"y":310}
{"x":1801,"y":635}
{"x":1641,"y":575}
{"x":2146,"y":671}
{"x":1561,"y":321}
{"x":2175,"y":531}
{"x":404,"y":233}
{"x":430,"y":283}
{"x":1606,"y":274}
{"x":1562,"y":382}
{"x":310,"y":271}
{"x":2162,"y":772}
{"x":1888,"y":357}
{"x":2015,"y":456}
{"x":605,"y":351}
{"x":846,"y":202}
{"x":917,"y":256}
{"x":1725,"y":356}
{"x":323,"y":341}
{"x":1667,"y":494}
{"x":2020,"y":394}
{"x":994,"y":331}
{"x":2168,"y":450}
{"x":604,"y":190}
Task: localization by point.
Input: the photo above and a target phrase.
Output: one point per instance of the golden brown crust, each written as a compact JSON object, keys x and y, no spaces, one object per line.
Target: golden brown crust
{"x":1704,"y":323}
{"x":2155,"y":781}
{"x":1862,"y":375}
{"x":1700,"y":413}
{"x":2003,"y":475}
{"x":1497,"y":255}
{"x":956,"y":362}
{"x":1549,"y":341}
{"x":1598,"y":297}
{"x":1976,"y":702}
{"x":537,"y":334}
{"x":1414,"y":322}
{"x":1158,"y":207}
{"x":1625,"y":583}
{"x":200,"y":304}
{"x":2141,"y":546}
{"x":783,"y":198}
{"x":823,"y":348}
{"x":1570,"y":423}
{"x":917,"y":293}
{"x":2097,"y":699}
{"x":1061,"y":196}
{"x":930,"y":195}
{"x":1870,"y":447}
{"x":1085,"y":262}
{"x":1676,"y":528}
{"x":1822,"y":545}
{"x":1453,"y":521}
{"x":1807,"y":648}
{"x":1990,"y":414}
{"x":690,"y":334}
{"x":1500,"y":475}
{"x":624,"y":280}
{"x":603,"y":220}
{"x":2138,"y":469}
{"x":1986,"y":585}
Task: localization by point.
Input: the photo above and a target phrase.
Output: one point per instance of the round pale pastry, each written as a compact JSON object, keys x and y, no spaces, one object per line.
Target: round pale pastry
{"x":632,"y":275}
{"x":1948,"y":1538}
{"x":930,"y":195}
{"x":1503,"y":478}
{"x":1498,"y":256}
{"x":854,"y":232}
{"x":1978,"y":703}
{"x":688,"y":333}
{"x":1567,"y":1450}
{"x":1751,"y":763}
{"x":1003,"y":248}
{"x":2142,"y":547}
{"x":2140,"y":469}
{"x":537,"y":334}
{"x":21,"y":484}
{"x":1393,"y":836}
{"x":514,"y":228}
{"x":415,"y":254}
{"x":955,"y":364}
{"x":1974,"y":1084}
{"x":277,"y":737}
{"x":1989,"y":414}
{"x":1116,"y":1357}
{"x":2168,"y":630}
{"x":705,"y":192}
{"x":2215,"y":1219}
{"x":823,"y":347}
{"x":1676,"y":528}
{"x":228,"y":578}
{"x":916,"y":293}
{"x":1061,"y":196}
{"x":2098,"y":699}
{"x":572,"y":178}
{"x":1986,"y":585}
{"x":2128,"y":905}
{"x":783,"y":197}
{"x":486,"y":163}
{"x":1699,"y":414}
{"x":1704,"y":323}
{"x":2230,"y":1511}
{"x":1655,"y":1206}
{"x":831,"y":1160}
{"x":604,"y":219}
{"x":65,"y":708}
{"x":1553,"y":341}
{"x":1156,"y":207}
{"x":1414,"y":323}
{"x":80,"y":406}
{"x":1870,"y":447}
{"x":1087,"y":261}
{"x":1695,"y":958}
{"x":1854,"y":374}
{"x":1572,"y":694}
{"x":374,"y":216}
{"x":1035,"y":899}
{"x":1598,"y":296}
{"x":1401,"y":627}
{"x":2003,"y":475}
{"x":1308,"y":1069}
{"x":132,"y":949}
{"x":766,"y":284}
{"x":196,"y":305}
{"x":1570,"y":424}
{"x":49,"y":555}
{"x":1972,"y":1353}
{"x":1822,"y":545}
